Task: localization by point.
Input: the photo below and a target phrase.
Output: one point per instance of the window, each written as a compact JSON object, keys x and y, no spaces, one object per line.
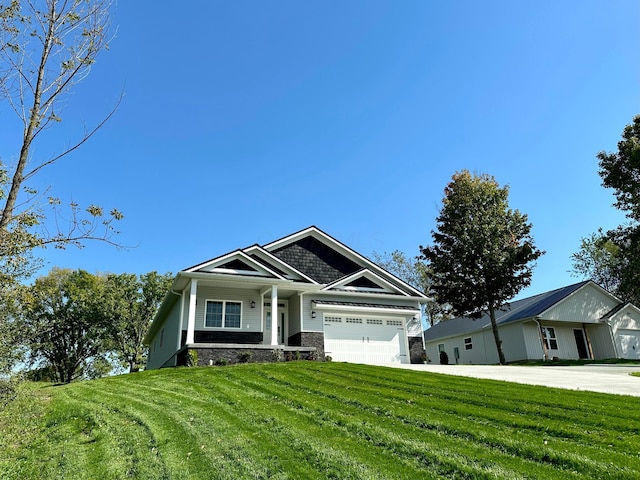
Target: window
{"x":374,"y":321}
{"x":441,"y":347}
{"x":549,"y":336}
{"x":397,"y":323}
{"x":222,"y":314}
{"x":468,"y":343}
{"x":333,"y":319}
{"x":353,"y":320}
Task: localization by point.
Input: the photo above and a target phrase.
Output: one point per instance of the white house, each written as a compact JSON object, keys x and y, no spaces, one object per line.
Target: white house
{"x":580,"y":321}
{"x":305,"y":295}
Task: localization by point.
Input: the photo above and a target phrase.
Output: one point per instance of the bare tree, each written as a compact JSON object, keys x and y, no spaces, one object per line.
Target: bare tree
{"x":46,"y":48}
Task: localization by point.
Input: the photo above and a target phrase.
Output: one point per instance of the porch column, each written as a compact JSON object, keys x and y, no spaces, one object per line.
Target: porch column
{"x":181,"y":322}
{"x":274,"y":315}
{"x":191,"y":321}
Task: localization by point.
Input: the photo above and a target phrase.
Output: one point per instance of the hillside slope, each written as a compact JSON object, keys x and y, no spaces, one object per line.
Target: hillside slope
{"x":310,"y":420}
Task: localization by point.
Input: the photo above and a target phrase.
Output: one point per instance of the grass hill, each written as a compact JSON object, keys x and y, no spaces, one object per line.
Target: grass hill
{"x":306,"y":420}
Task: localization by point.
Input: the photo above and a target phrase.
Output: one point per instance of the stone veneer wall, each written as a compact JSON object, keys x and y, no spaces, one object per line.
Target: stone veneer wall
{"x":416,"y":349}
{"x":209,"y":355}
{"x":309,"y":339}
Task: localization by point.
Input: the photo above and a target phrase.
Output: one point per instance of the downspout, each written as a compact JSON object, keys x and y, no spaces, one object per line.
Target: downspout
{"x":545,"y":355}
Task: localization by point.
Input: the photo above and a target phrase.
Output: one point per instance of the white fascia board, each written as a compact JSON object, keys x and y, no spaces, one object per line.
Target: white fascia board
{"x":380,"y":310}
{"x":346,"y":251}
{"x":363,"y":273}
{"x":237,"y":253}
{"x":279,"y":262}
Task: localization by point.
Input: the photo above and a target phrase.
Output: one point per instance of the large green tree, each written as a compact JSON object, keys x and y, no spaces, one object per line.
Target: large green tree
{"x":64,"y":323}
{"x":482,"y":253}
{"x":613,"y":258}
{"x":621,"y":170}
{"x":599,"y":260}
{"x":131,"y":303}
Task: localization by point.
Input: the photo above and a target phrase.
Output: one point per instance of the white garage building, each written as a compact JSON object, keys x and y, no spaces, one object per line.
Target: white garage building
{"x":580,"y":321}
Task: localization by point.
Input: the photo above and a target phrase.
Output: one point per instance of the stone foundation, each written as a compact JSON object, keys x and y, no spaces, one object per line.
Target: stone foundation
{"x":231,"y":354}
{"x":309,"y":339}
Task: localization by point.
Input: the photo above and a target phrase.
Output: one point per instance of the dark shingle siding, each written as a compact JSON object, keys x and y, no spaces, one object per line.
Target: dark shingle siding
{"x":316,"y":260}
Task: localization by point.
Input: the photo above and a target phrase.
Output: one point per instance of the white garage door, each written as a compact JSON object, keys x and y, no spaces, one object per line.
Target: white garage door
{"x":629,"y":343}
{"x":365,"y":339}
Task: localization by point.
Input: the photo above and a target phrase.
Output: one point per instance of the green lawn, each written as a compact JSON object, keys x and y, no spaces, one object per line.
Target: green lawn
{"x":305,"y":420}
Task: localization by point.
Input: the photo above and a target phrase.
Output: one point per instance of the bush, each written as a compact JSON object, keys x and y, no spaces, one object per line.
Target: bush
{"x":245,"y":357}
{"x":296,"y":355}
{"x":192,"y":358}
{"x":276,"y":355}
{"x":7,"y":392}
{"x":444,"y":358}
{"x":222,"y":362}
{"x":327,"y":358}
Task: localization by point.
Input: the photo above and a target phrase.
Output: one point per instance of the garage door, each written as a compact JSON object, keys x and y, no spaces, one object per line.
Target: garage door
{"x":629,"y":341}
{"x":365,"y":339}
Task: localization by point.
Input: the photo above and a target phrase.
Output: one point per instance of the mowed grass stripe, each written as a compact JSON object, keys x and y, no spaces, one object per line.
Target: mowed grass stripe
{"x":271,"y":443}
{"x":312,"y":441}
{"x":454,"y":434}
{"x":564,"y":453}
{"x":518,"y":403}
{"x":313,"y":420}
{"x":603,"y":410}
{"x":433,"y":450}
{"x":188,"y":445}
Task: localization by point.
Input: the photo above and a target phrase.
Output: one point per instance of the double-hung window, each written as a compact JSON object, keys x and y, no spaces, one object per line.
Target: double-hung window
{"x":222,"y":314}
{"x":550,"y":340}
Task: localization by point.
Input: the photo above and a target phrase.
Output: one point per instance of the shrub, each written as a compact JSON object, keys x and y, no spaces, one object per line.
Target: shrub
{"x":276,"y":355}
{"x":312,"y":356}
{"x":296,"y":355}
{"x":7,"y":392}
{"x":192,"y":358}
{"x":444,"y":358}
{"x":222,"y":361}
{"x":245,"y":357}
{"x":327,"y":358}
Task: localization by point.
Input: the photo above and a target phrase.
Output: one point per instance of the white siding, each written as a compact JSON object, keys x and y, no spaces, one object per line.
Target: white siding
{"x":513,"y":343}
{"x":601,"y":343}
{"x":626,"y":331}
{"x":589,"y":304}
{"x":294,"y":315}
{"x":310,"y":324}
{"x":250,"y":320}
{"x":531,"y":333}
{"x":161,"y":352}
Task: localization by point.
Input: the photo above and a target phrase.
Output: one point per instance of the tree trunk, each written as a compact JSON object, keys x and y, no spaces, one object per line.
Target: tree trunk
{"x":496,"y":334}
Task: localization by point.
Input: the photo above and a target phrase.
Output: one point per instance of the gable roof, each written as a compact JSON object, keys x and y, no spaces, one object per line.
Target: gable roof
{"x":327,"y":260}
{"x":519,"y":310}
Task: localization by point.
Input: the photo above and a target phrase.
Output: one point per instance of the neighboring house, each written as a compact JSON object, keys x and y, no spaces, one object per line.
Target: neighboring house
{"x":306,"y":295}
{"x":581,"y":321}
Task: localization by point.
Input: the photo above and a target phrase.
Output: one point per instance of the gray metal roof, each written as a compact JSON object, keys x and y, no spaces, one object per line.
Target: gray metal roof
{"x":519,"y":310}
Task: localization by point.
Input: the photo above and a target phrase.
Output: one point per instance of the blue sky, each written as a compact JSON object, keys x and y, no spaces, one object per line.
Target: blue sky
{"x":245,"y":121}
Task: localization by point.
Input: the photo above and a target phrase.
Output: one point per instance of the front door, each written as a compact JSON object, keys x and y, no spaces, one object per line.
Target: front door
{"x":580,"y":343}
{"x":281,"y":324}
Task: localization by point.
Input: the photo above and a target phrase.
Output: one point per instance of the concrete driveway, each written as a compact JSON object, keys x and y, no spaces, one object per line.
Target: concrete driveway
{"x":596,"y":378}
